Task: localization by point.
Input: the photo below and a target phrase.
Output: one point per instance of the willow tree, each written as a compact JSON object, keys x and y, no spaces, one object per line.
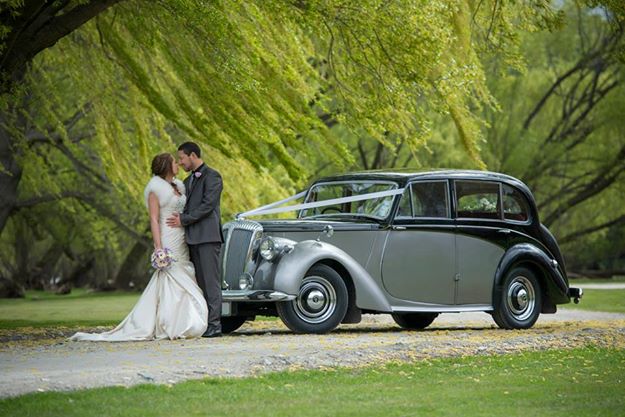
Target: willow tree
{"x":258,"y":84}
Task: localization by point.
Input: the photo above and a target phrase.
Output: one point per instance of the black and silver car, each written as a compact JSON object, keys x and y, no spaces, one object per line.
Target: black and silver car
{"x":410,"y":244}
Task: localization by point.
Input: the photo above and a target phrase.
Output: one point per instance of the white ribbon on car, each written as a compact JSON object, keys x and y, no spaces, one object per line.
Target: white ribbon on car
{"x":269,"y":208}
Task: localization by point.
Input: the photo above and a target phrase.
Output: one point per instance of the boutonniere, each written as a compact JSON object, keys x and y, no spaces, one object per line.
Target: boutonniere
{"x":197,"y":174}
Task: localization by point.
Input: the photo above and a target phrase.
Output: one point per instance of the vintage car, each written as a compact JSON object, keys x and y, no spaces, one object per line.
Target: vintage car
{"x":410,"y":244}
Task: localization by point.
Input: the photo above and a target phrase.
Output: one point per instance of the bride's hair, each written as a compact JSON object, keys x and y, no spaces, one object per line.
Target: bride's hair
{"x":162,"y":164}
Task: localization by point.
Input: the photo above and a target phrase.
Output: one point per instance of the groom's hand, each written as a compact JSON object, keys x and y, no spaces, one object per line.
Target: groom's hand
{"x":174,"y":220}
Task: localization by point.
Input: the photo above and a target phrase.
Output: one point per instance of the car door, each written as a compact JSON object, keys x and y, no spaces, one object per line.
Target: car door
{"x":481,"y":239}
{"x":419,"y":256}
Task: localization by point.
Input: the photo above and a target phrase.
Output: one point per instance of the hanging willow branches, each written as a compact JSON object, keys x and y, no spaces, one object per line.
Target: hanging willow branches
{"x":261,"y":85}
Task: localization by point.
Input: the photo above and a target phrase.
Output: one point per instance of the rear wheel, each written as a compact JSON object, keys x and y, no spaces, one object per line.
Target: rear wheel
{"x":414,"y":321}
{"x":519,"y":303}
{"x":320,"y":305}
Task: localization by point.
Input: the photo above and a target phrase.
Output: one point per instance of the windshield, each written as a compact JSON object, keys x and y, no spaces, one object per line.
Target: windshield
{"x":378,"y":208}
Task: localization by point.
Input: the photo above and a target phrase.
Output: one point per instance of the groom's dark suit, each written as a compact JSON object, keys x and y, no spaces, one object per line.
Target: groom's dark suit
{"x":202,"y":223}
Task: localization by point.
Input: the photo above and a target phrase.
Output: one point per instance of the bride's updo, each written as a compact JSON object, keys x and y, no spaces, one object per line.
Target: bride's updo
{"x":162,"y":164}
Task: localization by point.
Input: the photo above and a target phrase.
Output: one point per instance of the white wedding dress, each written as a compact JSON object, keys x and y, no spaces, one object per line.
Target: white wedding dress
{"x":172,"y":305}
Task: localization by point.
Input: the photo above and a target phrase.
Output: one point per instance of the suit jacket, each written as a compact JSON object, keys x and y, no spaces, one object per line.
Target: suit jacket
{"x":201,"y":216}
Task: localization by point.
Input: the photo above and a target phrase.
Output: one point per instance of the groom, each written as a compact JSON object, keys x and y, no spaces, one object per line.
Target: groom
{"x":202,"y":223}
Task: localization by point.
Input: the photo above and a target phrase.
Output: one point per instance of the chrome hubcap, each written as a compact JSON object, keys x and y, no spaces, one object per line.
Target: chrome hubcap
{"x":316,"y":301}
{"x":521,"y":298}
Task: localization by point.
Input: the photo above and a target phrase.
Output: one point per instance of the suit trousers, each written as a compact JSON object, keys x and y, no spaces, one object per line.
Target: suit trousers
{"x":205,"y":258}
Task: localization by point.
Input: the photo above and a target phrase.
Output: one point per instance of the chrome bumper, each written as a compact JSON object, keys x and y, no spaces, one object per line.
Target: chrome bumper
{"x":255,"y":295}
{"x":576,"y":294}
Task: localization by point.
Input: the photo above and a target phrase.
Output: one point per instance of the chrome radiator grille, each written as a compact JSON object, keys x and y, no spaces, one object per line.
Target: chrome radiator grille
{"x":238,"y":250}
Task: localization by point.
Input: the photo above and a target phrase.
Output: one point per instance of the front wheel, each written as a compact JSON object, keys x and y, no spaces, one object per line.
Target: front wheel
{"x":320,"y":305}
{"x":519,"y":303}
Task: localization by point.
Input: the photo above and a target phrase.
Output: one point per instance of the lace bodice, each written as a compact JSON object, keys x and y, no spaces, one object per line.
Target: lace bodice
{"x":169,"y":203}
{"x":173,"y":205}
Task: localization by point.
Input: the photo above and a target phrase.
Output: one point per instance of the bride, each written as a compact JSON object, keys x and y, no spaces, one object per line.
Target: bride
{"x":172,"y":305}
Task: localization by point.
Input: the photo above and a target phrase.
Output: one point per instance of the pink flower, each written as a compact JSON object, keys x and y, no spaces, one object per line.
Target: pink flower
{"x":197,"y":174}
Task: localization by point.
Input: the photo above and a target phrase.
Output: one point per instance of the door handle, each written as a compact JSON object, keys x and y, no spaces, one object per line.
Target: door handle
{"x":504,"y":231}
{"x":399,"y":228}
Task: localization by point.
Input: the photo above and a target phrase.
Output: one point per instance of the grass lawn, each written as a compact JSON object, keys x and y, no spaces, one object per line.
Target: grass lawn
{"x":582,"y":382}
{"x":612,"y":301}
{"x":80,"y":308}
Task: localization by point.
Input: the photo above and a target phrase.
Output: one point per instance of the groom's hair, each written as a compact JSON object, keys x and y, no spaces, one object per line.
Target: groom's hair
{"x":189,"y":147}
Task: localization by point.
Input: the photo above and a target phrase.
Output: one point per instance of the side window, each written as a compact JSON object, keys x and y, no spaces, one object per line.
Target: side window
{"x":515,"y":205}
{"x":426,"y":199}
{"x":478,"y":199}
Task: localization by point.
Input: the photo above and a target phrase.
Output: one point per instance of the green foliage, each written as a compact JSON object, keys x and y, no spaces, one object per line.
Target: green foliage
{"x":555,"y":382}
{"x":272,"y":91}
{"x":249,"y":80}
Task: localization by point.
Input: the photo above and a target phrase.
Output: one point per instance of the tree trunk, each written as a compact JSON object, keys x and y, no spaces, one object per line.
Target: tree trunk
{"x":10,"y":288}
{"x":78,"y":276}
{"x":35,"y":26}
{"x":135,"y":268}
{"x":10,"y":175}
{"x":45,"y":268}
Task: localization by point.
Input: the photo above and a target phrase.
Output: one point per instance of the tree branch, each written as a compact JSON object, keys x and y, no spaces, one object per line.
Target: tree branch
{"x":576,"y":235}
{"x":89,"y":201}
{"x":47,"y":198}
{"x":363,"y":155}
{"x":40,"y":25}
{"x":605,"y":47}
{"x":603,"y":179}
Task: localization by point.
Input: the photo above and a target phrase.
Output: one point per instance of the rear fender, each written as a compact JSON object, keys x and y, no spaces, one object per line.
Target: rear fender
{"x":552,"y":278}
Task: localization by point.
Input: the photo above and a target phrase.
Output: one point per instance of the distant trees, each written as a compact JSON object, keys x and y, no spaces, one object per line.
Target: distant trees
{"x":560,"y":131}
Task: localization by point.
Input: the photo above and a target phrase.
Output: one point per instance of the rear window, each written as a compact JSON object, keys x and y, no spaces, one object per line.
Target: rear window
{"x":515,"y":205}
{"x":478,"y":200}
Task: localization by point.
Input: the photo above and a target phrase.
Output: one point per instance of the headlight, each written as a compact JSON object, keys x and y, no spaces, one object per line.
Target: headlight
{"x":268,"y":249}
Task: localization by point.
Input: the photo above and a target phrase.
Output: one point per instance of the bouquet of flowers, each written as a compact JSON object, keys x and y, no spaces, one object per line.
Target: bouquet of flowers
{"x":162,"y":258}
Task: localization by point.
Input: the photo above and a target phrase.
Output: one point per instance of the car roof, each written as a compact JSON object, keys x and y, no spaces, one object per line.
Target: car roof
{"x":404,"y":176}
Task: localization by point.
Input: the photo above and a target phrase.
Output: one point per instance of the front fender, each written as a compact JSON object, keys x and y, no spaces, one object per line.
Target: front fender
{"x":555,"y":283}
{"x":292,"y":268}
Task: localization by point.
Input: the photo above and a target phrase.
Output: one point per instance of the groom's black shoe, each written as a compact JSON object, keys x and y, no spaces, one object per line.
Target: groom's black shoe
{"x":212,"y":331}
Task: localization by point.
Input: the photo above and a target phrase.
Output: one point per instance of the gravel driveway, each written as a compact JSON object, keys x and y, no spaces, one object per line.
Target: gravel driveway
{"x":44,"y":362}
